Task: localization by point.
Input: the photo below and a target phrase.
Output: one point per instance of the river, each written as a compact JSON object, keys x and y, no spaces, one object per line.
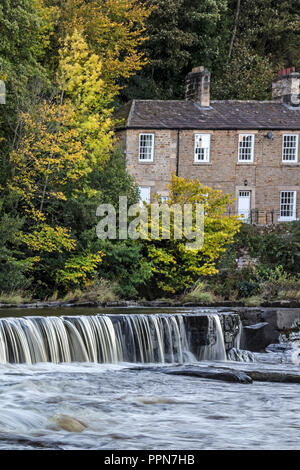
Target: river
{"x":121,"y":406}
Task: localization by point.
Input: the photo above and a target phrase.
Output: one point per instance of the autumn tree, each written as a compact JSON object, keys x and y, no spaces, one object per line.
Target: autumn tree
{"x":176,"y":265}
{"x":112,"y":29}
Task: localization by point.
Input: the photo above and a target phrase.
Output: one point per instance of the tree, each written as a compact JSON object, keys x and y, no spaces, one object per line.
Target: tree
{"x":50,"y":161}
{"x":80,"y":79}
{"x":19,"y":68}
{"x":113,"y":29}
{"x":181,"y":34}
{"x":176,"y":267}
{"x":259,"y":38}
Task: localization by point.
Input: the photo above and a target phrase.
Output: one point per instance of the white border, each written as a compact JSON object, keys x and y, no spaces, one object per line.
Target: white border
{"x":288,"y":219}
{"x":252,"y":148}
{"x":297,"y":140}
{"x":148,"y":160}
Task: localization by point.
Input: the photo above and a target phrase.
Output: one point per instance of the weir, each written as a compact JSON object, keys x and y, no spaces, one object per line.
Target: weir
{"x":104,"y":338}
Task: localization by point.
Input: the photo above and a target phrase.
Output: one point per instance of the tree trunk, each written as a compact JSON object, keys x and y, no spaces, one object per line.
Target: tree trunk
{"x":236,"y":21}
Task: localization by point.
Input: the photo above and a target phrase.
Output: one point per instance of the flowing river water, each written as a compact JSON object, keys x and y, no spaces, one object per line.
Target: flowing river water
{"x":117,"y":404}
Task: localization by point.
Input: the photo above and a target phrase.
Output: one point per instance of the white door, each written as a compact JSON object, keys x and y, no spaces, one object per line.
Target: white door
{"x":244,"y":205}
{"x":145,"y":194}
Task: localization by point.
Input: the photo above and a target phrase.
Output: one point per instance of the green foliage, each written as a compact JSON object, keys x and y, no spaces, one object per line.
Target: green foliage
{"x":64,"y":64}
{"x":124,"y":264}
{"x":242,"y":51}
{"x":273,"y":264}
{"x":275,"y":245}
{"x":15,"y":271}
{"x":78,"y":271}
{"x":181,"y":34}
{"x":19,"y":69}
{"x":175,"y":265}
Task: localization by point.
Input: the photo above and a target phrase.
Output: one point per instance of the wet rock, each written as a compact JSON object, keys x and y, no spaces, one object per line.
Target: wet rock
{"x":257,"y":337}
{"x":274,"y":376}
{"x":231,"y":328}
{"x":282,"y":318}
{"x":240,"y":355}
{"x":226,"y":375}
{"x":155,"y":400}
{"x":68,"y":423}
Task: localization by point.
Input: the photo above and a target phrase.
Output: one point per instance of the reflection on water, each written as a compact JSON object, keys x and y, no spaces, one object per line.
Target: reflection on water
{"x":133,"y":409}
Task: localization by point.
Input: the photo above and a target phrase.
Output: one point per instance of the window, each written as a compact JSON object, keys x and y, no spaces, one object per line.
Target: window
{"x":145,"y":194}
{"x":246,"y":147}
{"x":202,"y":148}
{"x":287,"y":205}
{"x":146,"y":147}
{"x":164,"y":199}
{"x":290,"y":148}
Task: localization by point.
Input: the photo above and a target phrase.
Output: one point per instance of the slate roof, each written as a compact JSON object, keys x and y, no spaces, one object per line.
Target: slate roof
{"x":181,"y":114}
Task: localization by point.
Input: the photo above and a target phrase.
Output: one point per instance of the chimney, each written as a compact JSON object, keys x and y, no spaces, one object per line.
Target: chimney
{"x":197,"y":86}
{"x":285,"y":87}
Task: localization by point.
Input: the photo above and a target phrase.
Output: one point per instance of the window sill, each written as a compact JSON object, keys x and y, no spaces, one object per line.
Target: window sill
{"x":146,"y":162}
{"x":290,"y":164}
{"x":287,"y":219}
{"x":202,"y":163}
{"x":246,"y":163}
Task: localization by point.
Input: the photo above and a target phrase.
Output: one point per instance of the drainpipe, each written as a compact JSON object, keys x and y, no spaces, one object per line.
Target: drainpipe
{"x":177,"y":153}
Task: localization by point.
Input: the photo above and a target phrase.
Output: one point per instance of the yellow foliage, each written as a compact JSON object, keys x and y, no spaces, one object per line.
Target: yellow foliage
{"x":47,"y":239}
{"x":80,"y":76}
{"x":175,"y":266}
{"x":50,"y":158}
{"x":79,"y":270}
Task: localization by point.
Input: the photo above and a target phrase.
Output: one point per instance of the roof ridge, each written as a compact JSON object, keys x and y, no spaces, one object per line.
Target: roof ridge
{"x":246,"y":101}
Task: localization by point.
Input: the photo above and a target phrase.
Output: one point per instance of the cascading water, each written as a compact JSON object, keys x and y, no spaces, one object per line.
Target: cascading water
{"x":215,"y":350}
{"x":144,"y":338}
{"x":99,"y":338}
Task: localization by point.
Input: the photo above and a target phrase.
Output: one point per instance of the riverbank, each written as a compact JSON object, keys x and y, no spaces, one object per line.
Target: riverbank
{"x":150,"y":303}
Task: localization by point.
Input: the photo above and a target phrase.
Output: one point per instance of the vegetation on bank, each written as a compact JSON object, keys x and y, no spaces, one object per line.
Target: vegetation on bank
{"x":262,"y":265}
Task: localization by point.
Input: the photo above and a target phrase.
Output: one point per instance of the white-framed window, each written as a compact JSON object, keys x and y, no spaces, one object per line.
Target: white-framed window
{"x":146,"y":147}
{"x":287,"y":205}
{"x":145,"y":194}
{"x":202,"y":148}
{"x":290,"y":148}
{"x":246,"y":148}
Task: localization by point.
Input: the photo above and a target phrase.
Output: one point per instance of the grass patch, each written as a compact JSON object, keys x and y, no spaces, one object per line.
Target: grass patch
{"x":252,"y":301}
{"x":14,"y":298}
{"x":101,"y":291}
{"x":200,"y":293}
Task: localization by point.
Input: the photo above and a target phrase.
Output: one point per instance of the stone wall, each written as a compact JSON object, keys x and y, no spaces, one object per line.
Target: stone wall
{"x":265,"y":177}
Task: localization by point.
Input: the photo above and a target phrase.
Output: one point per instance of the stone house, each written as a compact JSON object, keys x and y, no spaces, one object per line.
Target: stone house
{"x":246,"y":148}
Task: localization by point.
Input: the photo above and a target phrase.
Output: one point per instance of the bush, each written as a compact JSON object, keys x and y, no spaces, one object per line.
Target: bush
{"x":274,"y":245}
{"x":124,"y":264}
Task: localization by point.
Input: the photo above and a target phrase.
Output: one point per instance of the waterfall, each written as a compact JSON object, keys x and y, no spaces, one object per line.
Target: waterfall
{"x":103,"y":338}
{"x":237,"y":339}
{"x":214,"y":350}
